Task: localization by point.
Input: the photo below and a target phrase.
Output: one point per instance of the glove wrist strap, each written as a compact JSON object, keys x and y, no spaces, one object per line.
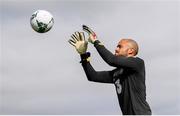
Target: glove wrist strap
{"x":97,"y":43}
{"x":85,"y":57}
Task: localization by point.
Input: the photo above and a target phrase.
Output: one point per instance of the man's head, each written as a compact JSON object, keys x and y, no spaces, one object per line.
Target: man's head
{"x":127,"y":48}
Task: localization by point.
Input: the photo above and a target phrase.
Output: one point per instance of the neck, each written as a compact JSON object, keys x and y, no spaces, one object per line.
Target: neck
{"x":131,"y":56}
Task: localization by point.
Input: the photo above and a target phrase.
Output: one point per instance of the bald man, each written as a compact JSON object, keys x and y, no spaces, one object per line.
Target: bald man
{"x":128,"y":76}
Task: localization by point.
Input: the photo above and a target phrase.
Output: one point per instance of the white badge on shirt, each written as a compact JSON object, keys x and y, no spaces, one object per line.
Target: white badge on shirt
{"x":118,"y":86}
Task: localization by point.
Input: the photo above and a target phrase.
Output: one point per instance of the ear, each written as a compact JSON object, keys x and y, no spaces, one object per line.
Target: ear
{"x":131,"y":51}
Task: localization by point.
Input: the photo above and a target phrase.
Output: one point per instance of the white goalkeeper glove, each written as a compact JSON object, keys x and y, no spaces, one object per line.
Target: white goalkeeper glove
{"x":79,"y":42}
{"x":92,"y":35}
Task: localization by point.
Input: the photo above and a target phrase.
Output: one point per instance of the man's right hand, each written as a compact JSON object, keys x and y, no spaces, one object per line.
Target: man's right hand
{"x":79,"y":42}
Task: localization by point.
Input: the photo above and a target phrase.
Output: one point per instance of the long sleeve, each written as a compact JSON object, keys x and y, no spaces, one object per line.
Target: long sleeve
{"x":116,"y":61}
{"x":97,"y":76}
{"x":92,"y":75}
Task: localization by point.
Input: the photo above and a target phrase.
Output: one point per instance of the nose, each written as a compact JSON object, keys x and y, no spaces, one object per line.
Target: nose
{"x":116,"y":50}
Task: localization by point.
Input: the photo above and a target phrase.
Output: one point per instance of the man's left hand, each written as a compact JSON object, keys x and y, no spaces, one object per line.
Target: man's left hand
{"x":92,"y":35}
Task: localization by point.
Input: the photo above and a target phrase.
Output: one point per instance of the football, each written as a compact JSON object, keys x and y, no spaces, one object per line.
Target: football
{"x":41,"y":21}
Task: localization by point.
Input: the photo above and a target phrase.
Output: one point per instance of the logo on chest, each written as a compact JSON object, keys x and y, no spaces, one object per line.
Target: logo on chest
{"x":117,"y":72}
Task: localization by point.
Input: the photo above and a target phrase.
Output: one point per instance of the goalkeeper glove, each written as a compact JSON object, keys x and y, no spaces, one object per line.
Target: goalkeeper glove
{"x":92,"y":35}
{"x":79,"y":42}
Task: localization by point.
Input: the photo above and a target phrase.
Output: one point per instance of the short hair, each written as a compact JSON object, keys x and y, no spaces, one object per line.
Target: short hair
{"x":133,"y":44}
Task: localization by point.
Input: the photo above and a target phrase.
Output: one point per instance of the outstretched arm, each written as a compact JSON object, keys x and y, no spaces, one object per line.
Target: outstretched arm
{"x":78,"y":41}
{"x":96,"y":76}
{"x":108,"y":57}
{"x":116,"y":61}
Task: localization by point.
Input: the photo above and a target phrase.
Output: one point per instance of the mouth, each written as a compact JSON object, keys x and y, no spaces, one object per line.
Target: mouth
{"x":115,"y":53}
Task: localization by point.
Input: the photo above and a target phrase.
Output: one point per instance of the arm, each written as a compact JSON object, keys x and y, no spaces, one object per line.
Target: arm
{"x":116,"y":61}
{"x":108,"y":57}
{"x":96,"y":76}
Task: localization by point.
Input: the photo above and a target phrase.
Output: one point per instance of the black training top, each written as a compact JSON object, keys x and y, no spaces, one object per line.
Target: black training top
{"x":128,"y":77}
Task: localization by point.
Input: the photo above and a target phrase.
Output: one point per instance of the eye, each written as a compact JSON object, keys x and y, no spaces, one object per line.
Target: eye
{"x":119,"y":46}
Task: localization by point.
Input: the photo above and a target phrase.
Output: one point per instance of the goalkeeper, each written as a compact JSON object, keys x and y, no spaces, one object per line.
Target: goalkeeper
{"x":128,"y":75}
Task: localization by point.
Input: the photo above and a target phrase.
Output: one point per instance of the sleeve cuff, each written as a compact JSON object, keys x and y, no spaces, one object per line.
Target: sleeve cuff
{"x":97,"y":43}
{"x":85,"y":57}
